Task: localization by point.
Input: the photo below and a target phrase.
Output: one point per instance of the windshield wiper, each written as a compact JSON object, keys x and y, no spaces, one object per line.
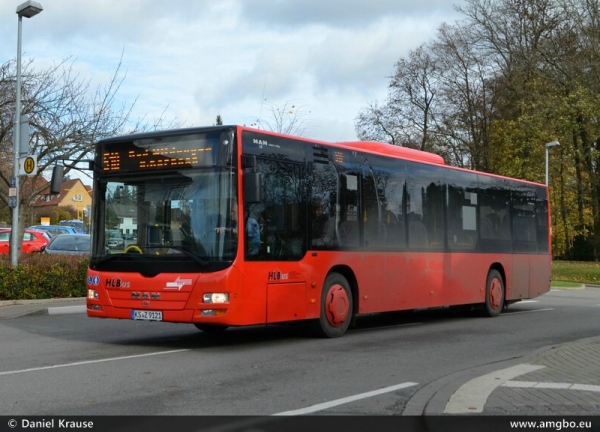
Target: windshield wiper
{"x":181,"y":249}
{"x":111,"y":257}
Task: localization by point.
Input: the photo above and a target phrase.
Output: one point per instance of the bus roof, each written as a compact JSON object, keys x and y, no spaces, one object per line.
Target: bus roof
{"x":394,"y":150}
{"x":373,"y":147}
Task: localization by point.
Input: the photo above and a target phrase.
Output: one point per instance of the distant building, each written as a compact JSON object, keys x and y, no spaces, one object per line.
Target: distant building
{"x":127,"y":219}
{"x":73,"y":194}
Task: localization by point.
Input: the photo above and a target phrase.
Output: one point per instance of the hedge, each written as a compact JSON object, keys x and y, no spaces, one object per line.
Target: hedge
{"x":43,"y":276}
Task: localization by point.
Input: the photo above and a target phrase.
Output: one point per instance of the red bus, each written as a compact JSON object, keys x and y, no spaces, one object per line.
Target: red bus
{"x":233,"y":226}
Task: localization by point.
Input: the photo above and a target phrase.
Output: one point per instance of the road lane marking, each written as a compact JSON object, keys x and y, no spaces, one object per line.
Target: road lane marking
{"x":472,"y":396}
{"x":41,"y":368}
{"x":551,"y":385}
{"x":342,"y":401}
{"x":527,"y":311}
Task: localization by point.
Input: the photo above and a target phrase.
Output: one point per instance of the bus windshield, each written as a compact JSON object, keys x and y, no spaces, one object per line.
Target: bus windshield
{"x":184,"y":216}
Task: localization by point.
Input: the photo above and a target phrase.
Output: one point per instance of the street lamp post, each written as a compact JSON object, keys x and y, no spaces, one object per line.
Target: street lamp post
{"x":550,"y":144}
{"x":27,"y":10}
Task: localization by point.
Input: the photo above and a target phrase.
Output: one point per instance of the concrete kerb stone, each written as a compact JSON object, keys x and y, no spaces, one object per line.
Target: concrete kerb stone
{"x":51,"y":301}
{"x":56,"y":306}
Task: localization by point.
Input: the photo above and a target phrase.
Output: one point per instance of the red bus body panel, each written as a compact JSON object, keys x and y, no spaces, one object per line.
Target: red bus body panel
{"x":263,"y":293}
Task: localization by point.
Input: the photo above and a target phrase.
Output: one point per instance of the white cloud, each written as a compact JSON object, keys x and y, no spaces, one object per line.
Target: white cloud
{"x":204,"y":58}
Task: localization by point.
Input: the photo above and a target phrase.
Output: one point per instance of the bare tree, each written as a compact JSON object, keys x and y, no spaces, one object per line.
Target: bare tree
{"x":286,"y":119}
{"x":67,"y":117}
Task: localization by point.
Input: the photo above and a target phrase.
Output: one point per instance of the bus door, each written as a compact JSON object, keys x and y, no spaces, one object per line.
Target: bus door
{"x":524,"y":240}
{"x":280,"y":219}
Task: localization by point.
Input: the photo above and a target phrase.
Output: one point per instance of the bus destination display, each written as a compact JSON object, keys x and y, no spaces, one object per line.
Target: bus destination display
{"x":141,"y":156}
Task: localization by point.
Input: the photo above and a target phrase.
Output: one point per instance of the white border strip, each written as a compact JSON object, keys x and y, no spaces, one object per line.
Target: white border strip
{"x":551,"y":385}
{"x":472,"y":396}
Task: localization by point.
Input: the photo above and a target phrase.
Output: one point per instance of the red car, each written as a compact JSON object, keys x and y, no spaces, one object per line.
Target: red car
{"x":33,"y":241}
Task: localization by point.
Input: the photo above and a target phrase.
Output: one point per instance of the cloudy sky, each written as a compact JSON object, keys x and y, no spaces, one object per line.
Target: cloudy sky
{"x":200,"y":58}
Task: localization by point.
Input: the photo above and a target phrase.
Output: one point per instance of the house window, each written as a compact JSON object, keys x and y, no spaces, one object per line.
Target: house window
{"x":77,"y":197}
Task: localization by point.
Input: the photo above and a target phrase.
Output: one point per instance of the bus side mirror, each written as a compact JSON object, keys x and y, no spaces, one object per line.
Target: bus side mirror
{"x":253,"y":187}
{"x":57,"y":177}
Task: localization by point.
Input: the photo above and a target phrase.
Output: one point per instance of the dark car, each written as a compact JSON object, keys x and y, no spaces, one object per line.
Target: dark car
{"x":115,"y":239}
{"x":70,"y":244}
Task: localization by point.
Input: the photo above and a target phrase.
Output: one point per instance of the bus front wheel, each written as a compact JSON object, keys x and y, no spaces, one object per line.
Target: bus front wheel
{"x":336,"y":307}
{"x":212,"y":328}
{"x":494,"y":294}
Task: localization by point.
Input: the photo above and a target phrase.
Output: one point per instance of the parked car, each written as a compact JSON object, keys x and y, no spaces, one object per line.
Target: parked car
{"x":33,"y":241}
{"x":54,"y":230}
{"x":70,"y":244}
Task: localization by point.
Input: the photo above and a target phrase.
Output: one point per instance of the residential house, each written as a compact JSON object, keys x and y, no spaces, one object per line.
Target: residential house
{"x":73,"y":193}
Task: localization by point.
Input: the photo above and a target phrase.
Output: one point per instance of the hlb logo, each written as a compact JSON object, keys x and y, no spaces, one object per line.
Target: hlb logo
{"x":276,"y":275}
{"x":117,"y":283}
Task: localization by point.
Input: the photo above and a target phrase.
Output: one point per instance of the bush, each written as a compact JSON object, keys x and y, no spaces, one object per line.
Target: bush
{"x":43,"y":276}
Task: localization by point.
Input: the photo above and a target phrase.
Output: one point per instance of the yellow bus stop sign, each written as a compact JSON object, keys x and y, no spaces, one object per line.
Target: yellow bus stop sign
{"x":28,"y":165}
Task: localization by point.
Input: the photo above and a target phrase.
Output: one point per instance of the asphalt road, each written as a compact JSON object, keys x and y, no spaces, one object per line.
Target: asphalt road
{"x":74,"y":365}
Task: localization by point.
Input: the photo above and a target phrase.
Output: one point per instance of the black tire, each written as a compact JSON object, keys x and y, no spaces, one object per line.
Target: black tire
{"x":494,"y":294}
{"x":212,"y":328}
{"x":336,"y":307}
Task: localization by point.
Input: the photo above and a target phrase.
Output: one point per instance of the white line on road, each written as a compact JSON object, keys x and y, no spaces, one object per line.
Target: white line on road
{"x":333,"y":403}
{"x":472,"y":396}
{"x":529,"y":311}
{"x":91,"y":362}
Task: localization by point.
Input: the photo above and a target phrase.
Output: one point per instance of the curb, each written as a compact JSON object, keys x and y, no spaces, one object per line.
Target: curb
{"x":57,"y":306}
{"x":41,"y":301}
{"x":65,"y":310}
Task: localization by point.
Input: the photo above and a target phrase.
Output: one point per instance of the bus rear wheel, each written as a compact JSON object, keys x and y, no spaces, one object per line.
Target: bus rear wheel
{"x":494,"y":294}
{"x":336,"y":307}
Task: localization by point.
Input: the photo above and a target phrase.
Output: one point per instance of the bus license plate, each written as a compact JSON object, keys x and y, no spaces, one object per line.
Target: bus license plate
{"x":146,"y":315}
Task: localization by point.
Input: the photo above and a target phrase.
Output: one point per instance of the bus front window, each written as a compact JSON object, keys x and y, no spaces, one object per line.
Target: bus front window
{"x":174,"y":217}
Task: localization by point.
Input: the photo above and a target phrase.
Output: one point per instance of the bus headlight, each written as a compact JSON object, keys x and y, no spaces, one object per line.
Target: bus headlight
{"x":92,"y":294}
{"x":215,"y":298}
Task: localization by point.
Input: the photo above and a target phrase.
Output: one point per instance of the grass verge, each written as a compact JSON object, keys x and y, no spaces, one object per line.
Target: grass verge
{"x":576,"y":272}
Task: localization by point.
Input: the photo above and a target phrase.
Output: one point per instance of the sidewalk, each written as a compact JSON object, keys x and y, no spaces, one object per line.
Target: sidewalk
{"x":17,"y":308}
{"x":558,"y":380}
{"x":563,"y":380}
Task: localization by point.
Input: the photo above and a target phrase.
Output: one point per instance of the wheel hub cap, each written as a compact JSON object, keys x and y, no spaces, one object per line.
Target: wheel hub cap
{"x":337,"y":306}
